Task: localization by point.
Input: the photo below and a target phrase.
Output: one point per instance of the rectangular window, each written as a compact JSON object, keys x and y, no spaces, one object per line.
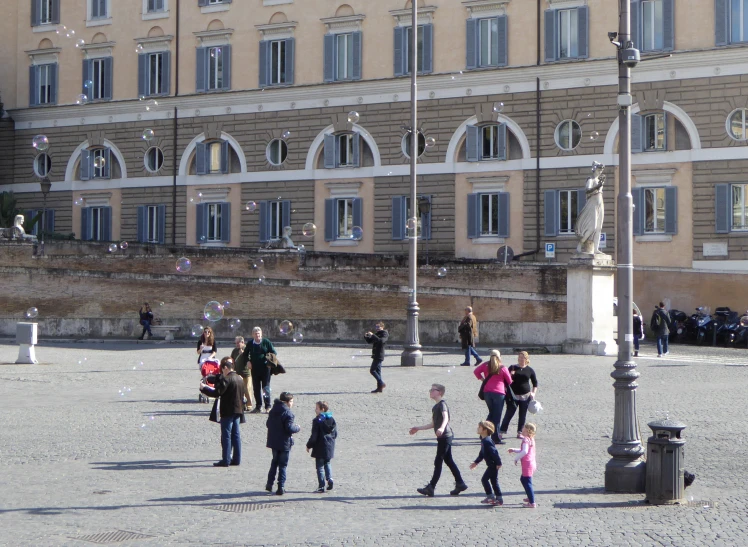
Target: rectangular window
{"x":652,"y":25}
{"x":215,"y":68}
{"x":155,"y":6}
{"x":276,"y":219}
{"x":739,"y":21}
{"x":98,"y":77}
{"x":96,"y":224}
{"x":345,"y":150}
{"x":654,"y":210}
{"x":155,"y":73}
{"x":739,"y":211}
{"x":654,"y":131}
{"x":489,"y":42}
{"x":489,"y":214}
{"x":345,"y":218}
{"x":490,"y":142}
{"x":214,"y":222}
{"x":45,"y":11}
{"x":212,"y":2}
{"x":99,"y":9}
{"x":278,"y":62}
{"x":214,"y":157}
{"x":152,"y":235}
{"x":44,"y":83}
{"x":567,"y":214}
{"x":419,"y":52}
{"x":344,"y":54}
{"x":568,"y":33}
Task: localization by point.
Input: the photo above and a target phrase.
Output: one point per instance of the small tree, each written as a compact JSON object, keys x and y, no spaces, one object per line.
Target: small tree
{"x":8,"y":210}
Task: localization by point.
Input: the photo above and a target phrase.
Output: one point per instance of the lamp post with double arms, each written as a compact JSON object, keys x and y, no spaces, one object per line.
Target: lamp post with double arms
{"x":46,"y":186}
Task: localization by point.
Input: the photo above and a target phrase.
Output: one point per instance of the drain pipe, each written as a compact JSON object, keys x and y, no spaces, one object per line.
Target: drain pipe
{"x":174,"y":133}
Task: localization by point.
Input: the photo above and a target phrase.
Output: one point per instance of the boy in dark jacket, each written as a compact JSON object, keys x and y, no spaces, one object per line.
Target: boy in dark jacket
{"x":280,"y":426}
{"x":489,"y":453}
{"x":378,"y":340}
{"x":322,"y":444}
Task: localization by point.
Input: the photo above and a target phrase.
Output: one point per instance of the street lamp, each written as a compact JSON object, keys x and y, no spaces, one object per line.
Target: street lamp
{"x":625,"y":471}
{"x":424,"y":208}
{"x":411,"y":355}
{"x":46,"y":186}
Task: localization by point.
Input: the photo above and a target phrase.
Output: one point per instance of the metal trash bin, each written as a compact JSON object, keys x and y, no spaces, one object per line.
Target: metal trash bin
{"x":665,"y":461}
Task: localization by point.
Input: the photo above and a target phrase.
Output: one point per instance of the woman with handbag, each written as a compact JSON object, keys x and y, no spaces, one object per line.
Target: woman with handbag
{"x":524,"y":386}
{"x":496,"y":379}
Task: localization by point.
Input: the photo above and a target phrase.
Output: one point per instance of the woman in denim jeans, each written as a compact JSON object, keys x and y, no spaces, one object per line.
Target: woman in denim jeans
{"x":524,"y":387}
{"x":497,"y":378}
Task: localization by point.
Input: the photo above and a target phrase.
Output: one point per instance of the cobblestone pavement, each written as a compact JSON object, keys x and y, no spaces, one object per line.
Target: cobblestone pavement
{"x":79,"y":461}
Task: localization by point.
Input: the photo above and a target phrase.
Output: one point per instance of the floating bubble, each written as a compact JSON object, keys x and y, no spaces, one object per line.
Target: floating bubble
{"x":285,"y":327}
{"x":160,"y":303}
{"x":40,"y":142}
{"x":199,"y":194}
{"x":61,"y":29}
{"x":151,"y":105}
{"x":589,"y":115}
{"x":99,"y":162}
{"x":88,"y":84}
{"x":441,"y":272}
{"x":124,"y":245}
{"x":498,"y":107}
{"x":353,"y":117}
{"x":411,"y":227}
{"x":261,"y":279}
{"x":234,"y":323}
{"x":309,"y":229}
{"x":594,"y":135}
{"x":215,"y":52}
{"x":139,"y":48}
{"x":226,"y":304}
{"x":113,"y":247}
{"x":298,"y":338}
{"x":78,"y":202}
{"x":184,"y":265}
{"x":279,"y":198}
{"x":81,"y":99}
{"x":148,"y":135}
{"x":357,"y":233}
{"x":254,"y":265}
{"x":196,"y":331}
{"x":213,"y":311}
{"x":251,"y":206}
{"x":32,"y":313}
{"x":286,"y":134}
{"x":430,"y":141}
{"x":80,"y":42}
{"x":260,"y":263}
{"x":192,"y":200}
{"x":202,"y":239}
{"x":301,"y":248}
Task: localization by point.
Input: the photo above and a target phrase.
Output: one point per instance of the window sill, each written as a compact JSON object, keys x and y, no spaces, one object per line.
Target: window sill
{"x":344,"y":243}
{"x":98,"y":22}
{"x":215,"y":8}
{"x":738,"y":233}
{"x":214,"y":244}
{"x":653,"y":238}
{"x":156,"y":15}
{"x":45,"y":27}
{"x":489,"y":240}
{"x":566,"y":236}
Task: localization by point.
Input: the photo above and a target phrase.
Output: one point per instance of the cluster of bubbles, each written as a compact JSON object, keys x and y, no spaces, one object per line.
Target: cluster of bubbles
{"x":124,"y":391}
{"x":32,"y":313}
{"x":213,"y":311}
{"x":441,"y":272}
{"x":114,"y":247}
{"x":184,"y":265}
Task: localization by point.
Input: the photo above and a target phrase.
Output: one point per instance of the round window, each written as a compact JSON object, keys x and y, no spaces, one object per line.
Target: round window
{"x":568,"y":135}
{"x":736,"y":124}
{"x":277,"y":151}
{"x":42,"y":165}
{"x":407,"y":146}
{"x":154,"y":159}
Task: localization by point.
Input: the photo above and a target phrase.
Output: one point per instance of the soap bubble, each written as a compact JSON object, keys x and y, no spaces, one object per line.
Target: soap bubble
{"x":254,"y":265}
{"x":285,"y":327}
{"x":213,"y":311}
{"x":113,"y":247}
{"x":148,"y":135}
{"x":411,"y":227}
{"x":430,"y":141}
{"x":80,"y":42}
{"x":81,"y":99}
{"x":353,"y":117}
{"x":251,"y":206}
{"x":260,"y":263}
{"x":88,"y":84}
{"x":226,"y":304}
{"x":215,"y":52}
{"x":78,"y":202}
{"x":151,"y":105}
{"x":261,"y":279}
{"x":160,"y":303}
{"x":309,"y":229}
{"x":124,"y":245}
{"x":357,"y":233}
{"x":32,"y":313}
{"x":589,"y":115}
{"x":196,"y":331}
{"x":298,"y":337}
{"x":40,"y":142}
{"x":594,"y":135}
{"x":61,"y":29}
{"x":99,"y":162}
{"x":234,"y":323}
{"x":498,"y":107}
{"x":202,"y":239}
{"x":139,"y":48}
{"x":301,"y":248}
{"x":184,"y":265}
{"x":286,"y":134}
{"x":441,"y":272}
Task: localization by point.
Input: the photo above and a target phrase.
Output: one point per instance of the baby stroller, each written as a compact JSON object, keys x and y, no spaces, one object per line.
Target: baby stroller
{"x":208,"y":368}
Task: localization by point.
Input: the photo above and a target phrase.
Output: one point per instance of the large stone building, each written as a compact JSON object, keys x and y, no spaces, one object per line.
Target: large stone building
{"x":249,"y":101}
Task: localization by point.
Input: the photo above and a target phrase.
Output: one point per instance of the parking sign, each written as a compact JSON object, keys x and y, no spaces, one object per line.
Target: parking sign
{"x":603,"y":240}
{"x":550,"y":250}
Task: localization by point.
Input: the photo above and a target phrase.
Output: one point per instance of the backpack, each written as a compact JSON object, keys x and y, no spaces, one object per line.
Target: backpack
{"x":656,"y":321}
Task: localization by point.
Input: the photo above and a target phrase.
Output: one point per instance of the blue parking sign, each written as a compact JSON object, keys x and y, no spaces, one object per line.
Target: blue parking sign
{"x":550,"y":250}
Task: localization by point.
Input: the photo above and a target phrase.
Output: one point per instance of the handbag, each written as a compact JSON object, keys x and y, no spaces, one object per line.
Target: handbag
{"x":482,"y":390}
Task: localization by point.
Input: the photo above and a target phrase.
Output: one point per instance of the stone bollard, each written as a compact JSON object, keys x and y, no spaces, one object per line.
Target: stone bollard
{"x":26,"y":339}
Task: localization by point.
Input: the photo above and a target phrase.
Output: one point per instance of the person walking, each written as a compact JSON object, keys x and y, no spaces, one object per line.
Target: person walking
{"x":281,"y":427}
{"x":229,"y":388}
{"x":255,"y":354}
{"x":146,"y":318}
{"x":489,"y":453}
{"x":243,"y":369}
{"x":378,"y":340}
{"x":638,"y":331}
{"x":468,"y":331}
{"x":660,"y":325}
{"x":496,"y":378}
{"x":524,"y":387}
{"x":440,"y":419}
{"x":526,"y":455}
{"x":322,"y":444}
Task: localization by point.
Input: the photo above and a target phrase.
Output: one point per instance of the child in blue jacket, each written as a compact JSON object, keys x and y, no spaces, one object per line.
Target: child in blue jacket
{"x":322,"y":444}
{"x":489,"y":453}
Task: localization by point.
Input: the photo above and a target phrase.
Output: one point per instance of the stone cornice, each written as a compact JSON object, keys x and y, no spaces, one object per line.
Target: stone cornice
{"x":404,"y":17}
{"x":344,"y":24}
{"x":214,"y":37}
{"x":478,"y":8}
{"x":280,"y":30}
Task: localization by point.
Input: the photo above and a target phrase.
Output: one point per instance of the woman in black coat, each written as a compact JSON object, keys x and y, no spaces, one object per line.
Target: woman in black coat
{"x":322,"y":444}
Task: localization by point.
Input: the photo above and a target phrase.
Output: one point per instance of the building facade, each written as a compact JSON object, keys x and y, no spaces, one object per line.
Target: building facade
{"x":219,"y":123}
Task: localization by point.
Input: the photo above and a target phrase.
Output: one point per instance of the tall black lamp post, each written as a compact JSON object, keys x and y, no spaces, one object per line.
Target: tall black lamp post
{"x":46,"y":186}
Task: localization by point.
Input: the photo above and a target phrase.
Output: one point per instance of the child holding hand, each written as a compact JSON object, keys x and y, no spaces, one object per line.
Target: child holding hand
{"x":489,"y":453}
{"x":526,"y":454}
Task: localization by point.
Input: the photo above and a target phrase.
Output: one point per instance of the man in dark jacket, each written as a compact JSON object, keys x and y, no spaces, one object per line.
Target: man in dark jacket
{"x":280,"y":426}
{"x":378,"y":340}
{"x":255,"y":353}
{"x":660,"y":325}
{"x":230,"y":388}
{"x":468,"y":331}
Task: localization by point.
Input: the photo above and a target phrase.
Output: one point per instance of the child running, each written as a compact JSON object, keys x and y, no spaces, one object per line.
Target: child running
{"x":489,"y":453}
{"x":322,"y":444}
{"x":526,"y":454}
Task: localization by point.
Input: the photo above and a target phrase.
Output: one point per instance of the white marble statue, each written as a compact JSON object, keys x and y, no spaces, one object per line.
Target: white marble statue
{"x":590,"y":220}
{"x":17,"y":231}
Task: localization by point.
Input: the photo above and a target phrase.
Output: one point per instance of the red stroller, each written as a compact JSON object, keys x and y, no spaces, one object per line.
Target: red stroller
{"x":208,"y":368}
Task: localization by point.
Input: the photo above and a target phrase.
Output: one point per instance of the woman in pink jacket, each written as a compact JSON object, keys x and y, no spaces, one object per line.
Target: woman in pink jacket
{"x":498,"y":378}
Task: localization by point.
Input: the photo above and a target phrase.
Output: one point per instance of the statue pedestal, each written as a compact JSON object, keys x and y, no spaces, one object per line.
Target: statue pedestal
{"x":589,"y":305}
{"x":26,"y":337}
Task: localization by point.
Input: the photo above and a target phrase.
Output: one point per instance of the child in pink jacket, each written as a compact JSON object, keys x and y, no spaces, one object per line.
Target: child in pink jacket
{"x":526,"y":454}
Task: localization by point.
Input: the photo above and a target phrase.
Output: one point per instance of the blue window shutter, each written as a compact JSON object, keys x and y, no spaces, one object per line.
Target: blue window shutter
{"x":473,"y":216}
{"x":201,"y":167}
{"x":55,"y":11}
{"x":28,"y":216}
{"x":472,"y":143}
{"x":399,"y":58}
{"x":49,"y":221}
{"x":53,"y":83}
{"x":426,"y":222}
{"x":106,"y":171}
{"x":638,"y":201}
{"x":502,"y":39}
{"x":358,"y":212}
{"x":286,"y":213}
{"x":290,"y":45}
{"x":581,"y":200}
{"x":85,"y":165}
{"x":329,"y":58}
{"x":398,"y":219}
{"x":264,"y":63}
{"x":503,"y":214}
{"x":226,"y":52}
{"x":671,"y":210}
{"x":329,"y":151}
{"x":33,"y":87}
{"x":35,"y":17}
{"x":264,"y":222}
{"x":665,"y":123}
{"x":201,"y":69}
{"x":225,"y":222}
{"x":428,"y":49}
{"x":86,"y":76}
{"x":85,"y":223}
{"x":106,"y":223}
{"x":551,"y":209}
{"x":165,"y":73}
{"x":142,"y":223}
{"x":584,"y":33}
{"x":636,"y":133}
{"x":471,"y":44}
{"x":142,"y":75}
{"x":356,"y":137}
{"x":331,"y":225}
{"x":224,"y":157}
{"x":201,"y":221}
{"x":502,"y":141}
{"x":550,"y":35}
{"x":108,"y":77}
{"x":161,"y":228}
{"x":357,"y":47}
{"x":721,"y":23}
{"x":668,"y":23}
{"x":202,"y":3}
{"x":636,"y":30}
{"x":722,"y":213}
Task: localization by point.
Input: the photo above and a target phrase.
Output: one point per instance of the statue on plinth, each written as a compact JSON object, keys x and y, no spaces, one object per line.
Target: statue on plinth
{"x":590,"y":220}
{"x":16,"y":231}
